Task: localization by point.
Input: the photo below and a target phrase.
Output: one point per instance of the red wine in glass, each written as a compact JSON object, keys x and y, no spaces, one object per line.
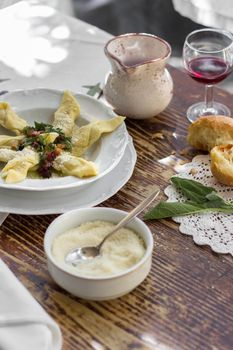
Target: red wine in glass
{"x":208,"y":59}
{"x":208,"y":69}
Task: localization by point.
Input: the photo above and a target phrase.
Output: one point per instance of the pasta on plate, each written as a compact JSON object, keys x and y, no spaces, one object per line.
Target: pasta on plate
{"x":50,"y":149}
{"x":10,"y":120}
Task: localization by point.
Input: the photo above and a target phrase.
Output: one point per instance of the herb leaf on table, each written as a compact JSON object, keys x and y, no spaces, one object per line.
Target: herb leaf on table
{"x":192,"y":190}
{"x":94,"y":89}
{"x":200,"y":199}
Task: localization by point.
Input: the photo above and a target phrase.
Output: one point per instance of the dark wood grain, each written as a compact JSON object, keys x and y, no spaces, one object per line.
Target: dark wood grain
{"x":185,"y":303}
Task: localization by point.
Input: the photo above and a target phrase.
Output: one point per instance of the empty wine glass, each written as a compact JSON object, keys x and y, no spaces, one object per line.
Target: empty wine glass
{"x":208,"y":58}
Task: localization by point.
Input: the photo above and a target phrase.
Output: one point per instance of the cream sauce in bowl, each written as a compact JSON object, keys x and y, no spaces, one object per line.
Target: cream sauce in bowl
{"x":120,"y":252}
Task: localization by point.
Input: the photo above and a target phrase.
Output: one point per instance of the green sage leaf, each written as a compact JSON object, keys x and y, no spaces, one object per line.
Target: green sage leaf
{"x":94,"y":89}
{"x":192,"y":189}
{"x":201,"y":199}
{"x":169,"y":209}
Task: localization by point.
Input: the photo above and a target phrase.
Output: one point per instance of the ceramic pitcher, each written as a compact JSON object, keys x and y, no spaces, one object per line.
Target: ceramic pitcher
{"x":139,"y":86}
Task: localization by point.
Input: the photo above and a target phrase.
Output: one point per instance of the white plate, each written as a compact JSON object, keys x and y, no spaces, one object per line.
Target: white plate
{"x":40,"y":203}
{"x":39,"y":105}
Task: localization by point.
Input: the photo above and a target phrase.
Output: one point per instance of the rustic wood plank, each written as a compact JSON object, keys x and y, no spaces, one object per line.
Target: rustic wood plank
{"x":185,"y":303}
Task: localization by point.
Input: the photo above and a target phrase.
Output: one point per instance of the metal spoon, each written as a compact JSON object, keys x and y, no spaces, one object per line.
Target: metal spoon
{"x":77,"y":255}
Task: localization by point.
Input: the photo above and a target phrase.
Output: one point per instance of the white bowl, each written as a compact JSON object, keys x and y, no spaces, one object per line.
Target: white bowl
{"x":97,"y":288}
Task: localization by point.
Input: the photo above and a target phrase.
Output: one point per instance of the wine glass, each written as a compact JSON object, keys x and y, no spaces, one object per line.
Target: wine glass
{"x":208,"y":59}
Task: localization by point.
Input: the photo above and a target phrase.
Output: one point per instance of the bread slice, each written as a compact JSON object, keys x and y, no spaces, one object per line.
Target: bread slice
{"x":210,"y":131}
{"x":222,"y":164}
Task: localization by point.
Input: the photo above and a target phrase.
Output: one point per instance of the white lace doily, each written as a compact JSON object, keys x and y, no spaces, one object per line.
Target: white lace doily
{"x":213,"y":229}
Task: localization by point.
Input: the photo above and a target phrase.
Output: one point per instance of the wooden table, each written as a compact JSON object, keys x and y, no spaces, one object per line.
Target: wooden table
{"x":185,"y":303}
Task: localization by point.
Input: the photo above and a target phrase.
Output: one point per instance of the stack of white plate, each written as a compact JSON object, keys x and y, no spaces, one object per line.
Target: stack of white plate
{"x":114,"y":155}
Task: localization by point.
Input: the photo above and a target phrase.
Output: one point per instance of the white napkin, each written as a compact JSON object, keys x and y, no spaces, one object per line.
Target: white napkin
{"x":211,"y":13}
{"x":24,"y":324}
{"x":6,"y":3}
{"x":3,"y":217}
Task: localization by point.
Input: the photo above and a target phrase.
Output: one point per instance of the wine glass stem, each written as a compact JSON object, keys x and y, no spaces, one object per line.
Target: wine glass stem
{"x":209,"y":96}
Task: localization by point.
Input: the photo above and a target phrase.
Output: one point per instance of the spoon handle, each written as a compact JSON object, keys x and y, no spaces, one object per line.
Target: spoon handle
{"x":132,"y":214}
